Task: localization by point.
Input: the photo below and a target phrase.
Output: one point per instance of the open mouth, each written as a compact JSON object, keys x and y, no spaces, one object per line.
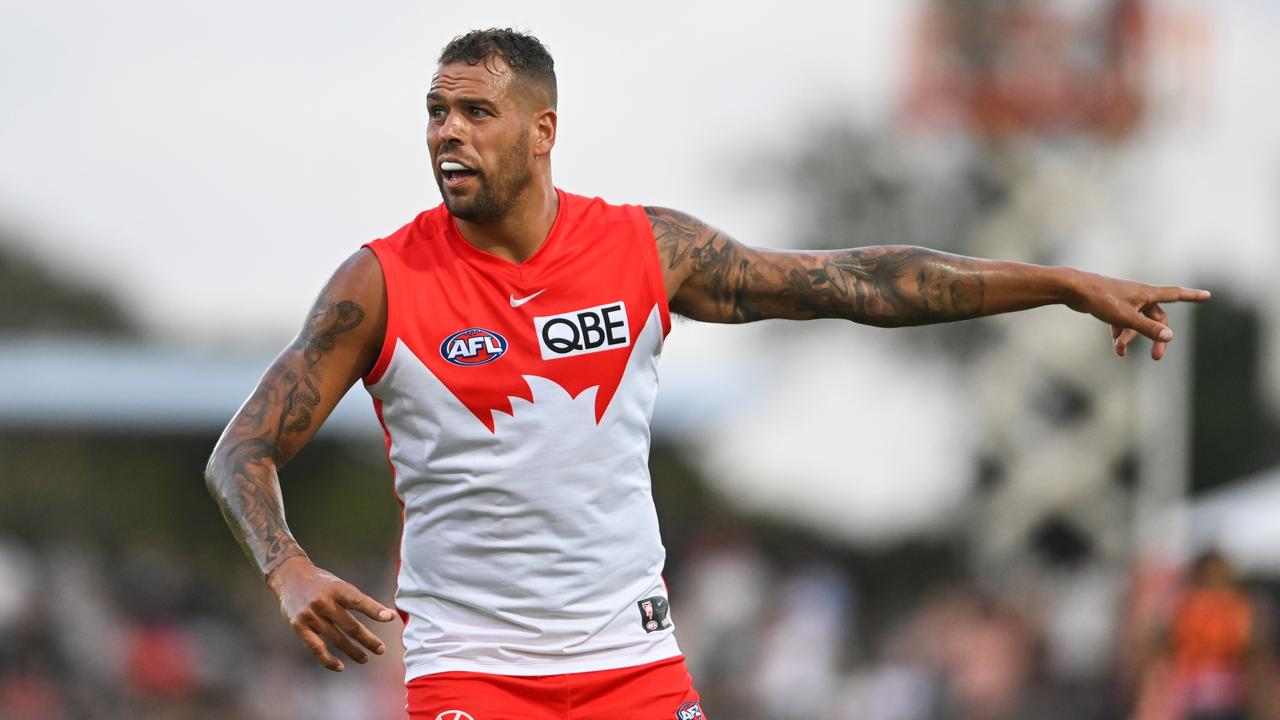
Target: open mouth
{"x":455,"y":173}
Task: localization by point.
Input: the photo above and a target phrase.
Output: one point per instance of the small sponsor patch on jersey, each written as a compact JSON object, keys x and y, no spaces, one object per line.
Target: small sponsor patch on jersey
{"x":690,"y":711}
{"x":653,"y":613}
{"x":590,"y":330}
{"x":473,"y":346}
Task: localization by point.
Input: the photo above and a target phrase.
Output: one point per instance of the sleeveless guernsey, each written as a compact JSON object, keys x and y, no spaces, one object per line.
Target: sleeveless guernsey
{"x":516,"y":402}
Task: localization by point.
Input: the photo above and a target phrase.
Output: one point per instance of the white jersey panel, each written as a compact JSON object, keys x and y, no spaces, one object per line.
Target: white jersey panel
{"x":528,"y":550}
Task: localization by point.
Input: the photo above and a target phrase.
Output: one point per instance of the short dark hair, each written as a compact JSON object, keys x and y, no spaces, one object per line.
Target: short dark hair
{"x":522,"y":52}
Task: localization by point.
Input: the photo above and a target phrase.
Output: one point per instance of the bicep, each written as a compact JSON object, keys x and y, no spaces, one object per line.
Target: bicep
{"x":714,"y":278}
{"x":709,"y":276}
{"x":338,"y":343}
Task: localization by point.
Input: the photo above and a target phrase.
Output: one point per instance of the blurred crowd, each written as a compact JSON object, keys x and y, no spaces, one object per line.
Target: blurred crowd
{"x":138,"y":635}
{"x":1158,"y":643}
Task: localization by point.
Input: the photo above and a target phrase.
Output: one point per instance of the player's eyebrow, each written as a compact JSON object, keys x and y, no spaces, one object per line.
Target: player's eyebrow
{"x":472,"y":100}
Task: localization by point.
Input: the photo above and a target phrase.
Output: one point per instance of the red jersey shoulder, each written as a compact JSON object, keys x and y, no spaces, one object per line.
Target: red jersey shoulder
{"x":424,"y":232}
{"x":602,"y":232}
{"x":595,"y":213}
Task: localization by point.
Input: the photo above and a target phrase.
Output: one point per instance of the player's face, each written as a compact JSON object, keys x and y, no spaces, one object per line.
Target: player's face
{"x":478,"y":137}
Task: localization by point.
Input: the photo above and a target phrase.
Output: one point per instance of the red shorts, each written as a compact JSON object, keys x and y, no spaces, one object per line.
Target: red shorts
{"x":661,"y":690}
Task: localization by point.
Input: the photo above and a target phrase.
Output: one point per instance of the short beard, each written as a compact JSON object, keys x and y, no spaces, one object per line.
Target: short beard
{"x":491,"y":203}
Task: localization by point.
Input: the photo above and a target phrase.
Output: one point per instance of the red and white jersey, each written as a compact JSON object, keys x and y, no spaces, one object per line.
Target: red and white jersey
{"x":516,"y":401}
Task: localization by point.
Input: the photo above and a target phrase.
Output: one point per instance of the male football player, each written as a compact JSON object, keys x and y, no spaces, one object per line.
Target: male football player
{"x":509,"y":338}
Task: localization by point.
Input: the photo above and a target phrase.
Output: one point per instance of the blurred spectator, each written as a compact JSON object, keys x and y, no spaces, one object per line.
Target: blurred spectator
{"x":28,"y":689}
{"x":17,"y":583}
{"x":803,"y":645}
{"x":160,"y":662}
{"x":721,"y":598}
{"x":980,"y":650}
{"x":1212,"y":660}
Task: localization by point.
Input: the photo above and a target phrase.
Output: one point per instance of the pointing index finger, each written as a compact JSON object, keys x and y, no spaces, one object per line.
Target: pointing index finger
{"x":1181,"y":294}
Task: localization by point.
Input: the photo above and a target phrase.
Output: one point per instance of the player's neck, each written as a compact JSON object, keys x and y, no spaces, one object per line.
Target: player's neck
{"x":518,"y":234}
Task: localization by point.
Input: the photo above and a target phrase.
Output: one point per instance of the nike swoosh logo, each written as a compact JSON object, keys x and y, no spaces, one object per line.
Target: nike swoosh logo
{"x":517,"y":302}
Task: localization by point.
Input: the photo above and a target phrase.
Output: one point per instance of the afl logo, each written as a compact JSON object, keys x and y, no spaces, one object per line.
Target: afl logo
{"x":690,"y":711}
{"x":454,"y":715}
{"x":473,"y":346}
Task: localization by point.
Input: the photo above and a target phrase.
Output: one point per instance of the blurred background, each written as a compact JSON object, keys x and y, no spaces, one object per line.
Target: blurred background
{"x":997,"y":519}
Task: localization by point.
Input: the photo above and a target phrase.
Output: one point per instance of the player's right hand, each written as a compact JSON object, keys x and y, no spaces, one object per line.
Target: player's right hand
{"x":318,"y":606}
{"x":1130,"y":308}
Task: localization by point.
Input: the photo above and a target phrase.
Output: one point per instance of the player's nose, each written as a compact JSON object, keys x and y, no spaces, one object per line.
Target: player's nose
{"x":452,"y":128}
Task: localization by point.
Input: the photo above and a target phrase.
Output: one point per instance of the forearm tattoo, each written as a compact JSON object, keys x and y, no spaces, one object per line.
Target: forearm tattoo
{"x":242,"y":472}
{"x":723,"y":281}
{"x":887,"y":286}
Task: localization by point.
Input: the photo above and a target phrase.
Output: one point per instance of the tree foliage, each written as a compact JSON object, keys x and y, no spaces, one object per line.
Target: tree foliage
{"x":36,"y":298}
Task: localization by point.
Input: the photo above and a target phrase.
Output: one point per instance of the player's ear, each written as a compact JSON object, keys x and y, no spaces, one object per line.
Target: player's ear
{"x":543,"y":129}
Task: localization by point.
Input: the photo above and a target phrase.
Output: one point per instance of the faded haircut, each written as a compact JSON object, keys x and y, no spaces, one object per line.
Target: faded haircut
{"x":523,"y":53}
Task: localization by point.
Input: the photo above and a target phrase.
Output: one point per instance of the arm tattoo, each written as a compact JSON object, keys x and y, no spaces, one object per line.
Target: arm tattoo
{"x":685,"y":244}
{"x":887,"y":286}
{"x":242,"y":472}
{"x":328,"y":320}
{"x":251,"y":505}
{"x":720,"y":280}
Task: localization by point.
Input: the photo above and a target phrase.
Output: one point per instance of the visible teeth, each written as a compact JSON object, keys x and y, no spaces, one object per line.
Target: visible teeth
{"x":450,"y":166}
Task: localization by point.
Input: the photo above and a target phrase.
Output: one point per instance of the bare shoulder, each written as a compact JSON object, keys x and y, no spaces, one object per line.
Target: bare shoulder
{"x":706,"y":272}
{"x":686,"y":245}
{"x":350,"y":310}
{"x":360,"y":274}
{"x":677,"y":233}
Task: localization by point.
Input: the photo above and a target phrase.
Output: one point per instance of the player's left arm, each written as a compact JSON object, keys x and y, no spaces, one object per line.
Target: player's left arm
{"x":712,"y":277}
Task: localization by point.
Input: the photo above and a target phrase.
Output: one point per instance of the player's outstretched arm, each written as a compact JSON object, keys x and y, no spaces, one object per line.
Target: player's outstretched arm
{"x":338,"y":343}
{"x":712,"y":277}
